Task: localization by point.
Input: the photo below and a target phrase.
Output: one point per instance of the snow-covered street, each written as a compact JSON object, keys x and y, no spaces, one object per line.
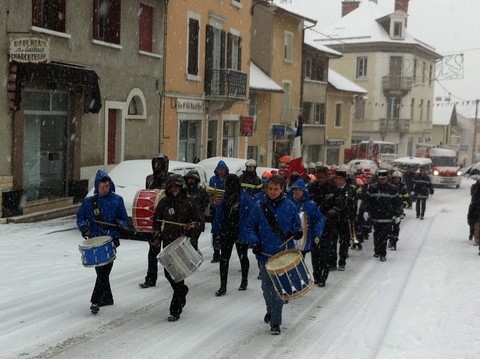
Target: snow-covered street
{"x":422,"y":303}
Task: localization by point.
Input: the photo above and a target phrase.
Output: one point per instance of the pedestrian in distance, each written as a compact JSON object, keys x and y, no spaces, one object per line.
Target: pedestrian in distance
{"x":102,"y":214}
{"x":422,"y":188}
{"x":156,"y":180}
{"x":271,"y":221}
{"x":176,"y":215}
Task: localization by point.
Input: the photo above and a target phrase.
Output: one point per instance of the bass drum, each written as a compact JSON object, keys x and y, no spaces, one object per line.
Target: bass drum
{"x":143,"y":208}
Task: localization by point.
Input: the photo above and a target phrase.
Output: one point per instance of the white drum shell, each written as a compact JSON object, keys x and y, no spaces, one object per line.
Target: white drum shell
{"x":180,"y":259}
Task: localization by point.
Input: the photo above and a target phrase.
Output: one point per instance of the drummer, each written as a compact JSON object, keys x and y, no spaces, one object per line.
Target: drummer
{"x":156,"y":180}
{"x":183,"y":218}
{"x":102,"y":214}
{"x":272,"y":221}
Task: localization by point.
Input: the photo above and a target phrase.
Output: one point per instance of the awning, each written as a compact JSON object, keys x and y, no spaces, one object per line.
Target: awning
{"x":63,"y":74}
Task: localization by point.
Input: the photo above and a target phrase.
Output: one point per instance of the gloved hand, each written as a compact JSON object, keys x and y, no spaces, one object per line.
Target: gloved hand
{"x":366,"y":216}
{"x":298,"y":235}
{"x":412,"y":193}
{"x":257,"y":249}
{"x":86,"y":233}
{"x":431,"y":191}
{"x":396,"y":220}
{"x":155,"y":241}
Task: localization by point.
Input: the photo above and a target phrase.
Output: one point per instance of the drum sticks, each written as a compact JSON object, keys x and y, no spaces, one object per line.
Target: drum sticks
{"x":111,"y":224}
{"x":170,"y":222}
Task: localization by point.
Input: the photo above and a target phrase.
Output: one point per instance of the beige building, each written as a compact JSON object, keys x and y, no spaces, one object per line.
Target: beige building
{"x":276,"y":48}
{"x":205,"y":95}
{"x":83,"y":92}
{"x":396,"y":69}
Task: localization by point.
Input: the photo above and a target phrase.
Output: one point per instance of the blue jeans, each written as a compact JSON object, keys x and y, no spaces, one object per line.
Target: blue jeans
{"x":272,"y":300}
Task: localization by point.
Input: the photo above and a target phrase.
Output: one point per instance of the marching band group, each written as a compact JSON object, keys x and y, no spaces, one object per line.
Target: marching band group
{"x":281,"y":217}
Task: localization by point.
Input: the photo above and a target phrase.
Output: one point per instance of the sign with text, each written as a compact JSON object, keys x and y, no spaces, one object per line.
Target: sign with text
{"x":30,"y":49}
{"x":246,"y":125}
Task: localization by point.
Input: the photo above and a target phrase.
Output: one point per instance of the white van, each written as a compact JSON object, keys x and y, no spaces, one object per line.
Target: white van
{"x":412,"y":163}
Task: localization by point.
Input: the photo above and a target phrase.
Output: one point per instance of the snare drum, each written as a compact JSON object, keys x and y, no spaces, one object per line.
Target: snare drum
{"x":143,"y":208}
{"x":97,"y":251}
{"x":180,"y":259}
{"x":289,"y":274}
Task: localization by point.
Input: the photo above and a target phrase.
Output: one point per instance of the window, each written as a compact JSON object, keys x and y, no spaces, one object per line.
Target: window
{"x":428,"y":111}
{"x":215,"y":48}
{"x":338,"y":115}
{"x":412,"y":109}
{"x":430,"y":75}
{"x":145,"y":20}
{"x":424,"y":72}
{"x":106,"y":20}
{"x":393,"y":110}
{"x":314,"y":113}
{"x":415,"y":71}
{"x":421,"y":110}
{"x":288,"y":46}
{"x":398,"y":29}
{"x":361,"y":67}
{"x":234,"y":52}
{"x":314,"y":69}
{"x":359,"y":108}
{"x":49,"y":14}
{"x":230,"y":135}
{"x":193,"y":45}
{"x":189,"y":140}
{"x":308,"y":68}
{"x":253,"y":104}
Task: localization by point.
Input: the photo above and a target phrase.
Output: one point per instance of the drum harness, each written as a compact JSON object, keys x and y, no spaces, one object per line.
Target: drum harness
{"x":272,"y":221}
{"x":97,"y":214}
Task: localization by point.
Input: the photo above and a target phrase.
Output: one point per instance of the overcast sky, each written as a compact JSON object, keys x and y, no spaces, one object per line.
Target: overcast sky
{"x":450,"y":26}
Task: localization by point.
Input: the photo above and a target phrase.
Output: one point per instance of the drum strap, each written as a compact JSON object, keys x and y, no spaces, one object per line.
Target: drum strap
{"x":96,"y":209}
{"x":272,"y":221}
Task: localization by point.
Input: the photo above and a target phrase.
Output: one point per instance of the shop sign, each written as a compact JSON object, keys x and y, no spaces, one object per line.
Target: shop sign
{"x":246,"y":125}
{"x":30,"y":49}
{"x":335,"y":142}
{"x":190,"y":106}
{"x":278,"y":130}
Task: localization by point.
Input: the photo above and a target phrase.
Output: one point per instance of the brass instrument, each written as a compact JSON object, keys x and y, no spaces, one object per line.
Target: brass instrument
{"x":216,"y":194}
{"x":353,"y":234}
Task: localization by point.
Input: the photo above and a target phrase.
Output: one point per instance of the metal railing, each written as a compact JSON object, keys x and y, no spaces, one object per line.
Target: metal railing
{"x":399,"y":125}
{"x":226,"y":83}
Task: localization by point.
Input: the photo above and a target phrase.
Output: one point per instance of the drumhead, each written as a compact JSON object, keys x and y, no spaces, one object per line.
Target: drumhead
{"x":95,"y":242}
{"x":285,"y":260}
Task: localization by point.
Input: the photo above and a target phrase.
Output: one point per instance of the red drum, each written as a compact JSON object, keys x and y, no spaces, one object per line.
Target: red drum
{"x":143,"y":208}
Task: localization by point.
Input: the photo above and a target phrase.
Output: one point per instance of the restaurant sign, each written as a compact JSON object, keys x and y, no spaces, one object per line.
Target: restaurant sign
{"x":30,"y":49}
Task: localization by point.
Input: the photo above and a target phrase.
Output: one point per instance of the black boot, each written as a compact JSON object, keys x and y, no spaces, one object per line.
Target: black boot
{"x":222,"y":291}
{"x":216,"y":256}
{"x":243,"y":285}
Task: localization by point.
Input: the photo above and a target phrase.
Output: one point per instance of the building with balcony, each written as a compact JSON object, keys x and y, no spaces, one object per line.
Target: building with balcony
{"x":205,"y":98}
{"x":276,"y":49}
{"x":83,"y":93}
{"x":396,"y":69}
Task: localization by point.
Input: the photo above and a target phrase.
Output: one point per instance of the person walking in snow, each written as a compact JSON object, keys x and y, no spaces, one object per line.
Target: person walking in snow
{"x":232,"y":215}
{"x":383,"y":206}
{"x":102,"y":214}
{"x":271,"y":222}
{"x":249,"y":179}
{"x":175,"y":207}
{"x":422,"y":188}
{"x":217,"y":182}
{"x":156,"y":180}
{"x":404,"y":199}
{"x":201,"y":199}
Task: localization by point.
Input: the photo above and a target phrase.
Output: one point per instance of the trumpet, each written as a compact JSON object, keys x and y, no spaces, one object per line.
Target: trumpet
{"x":353,"y":234}
{"x":216,"y":194}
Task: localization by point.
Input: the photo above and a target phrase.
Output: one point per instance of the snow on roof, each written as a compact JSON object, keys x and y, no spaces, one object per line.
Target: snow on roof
{"x":363,"y":26}
{"x":260,"y":81}
{"x":290,"y":8}
{"x":442,"y":113}
{"x":320,"y":47}
{"x":342,"y":83}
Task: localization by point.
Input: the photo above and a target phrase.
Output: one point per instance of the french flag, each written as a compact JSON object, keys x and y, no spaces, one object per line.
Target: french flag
{"x":296,"y":164}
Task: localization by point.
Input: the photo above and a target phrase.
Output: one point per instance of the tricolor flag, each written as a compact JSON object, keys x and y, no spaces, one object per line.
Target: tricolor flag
{"x":296,"y":164}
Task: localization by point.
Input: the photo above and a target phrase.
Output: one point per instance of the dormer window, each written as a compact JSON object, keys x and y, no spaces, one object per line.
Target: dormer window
{"x":398,"y":29}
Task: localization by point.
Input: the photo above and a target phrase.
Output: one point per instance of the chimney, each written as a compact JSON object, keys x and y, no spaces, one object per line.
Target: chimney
{"x":402,"y":5}
{"x":348,"y":6}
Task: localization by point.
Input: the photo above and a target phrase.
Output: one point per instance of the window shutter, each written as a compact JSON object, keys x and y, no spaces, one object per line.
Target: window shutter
{"x":193,"y":30}
{"x":222,"y":50}
{"x":239,"y":54}
{"x":229,"y":50}
{"x":209,"y":48}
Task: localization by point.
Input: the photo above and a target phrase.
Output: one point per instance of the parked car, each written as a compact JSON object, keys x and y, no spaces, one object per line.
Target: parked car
{"x":129,"y":177}
{"x":364,"y":164}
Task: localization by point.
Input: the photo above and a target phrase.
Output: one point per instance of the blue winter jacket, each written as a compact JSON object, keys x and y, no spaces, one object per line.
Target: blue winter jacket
{"x":258,"y":229}
{"x":112,"y":211}
{"x":216,"y":181}
{"x":315,"y":218}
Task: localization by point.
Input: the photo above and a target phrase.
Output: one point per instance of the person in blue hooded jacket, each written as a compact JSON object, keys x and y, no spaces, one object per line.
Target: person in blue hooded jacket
{"x":267,"y":241}
{"x":315,"y":221}
{"x":102,"y":214}
{"x":217,"y":181}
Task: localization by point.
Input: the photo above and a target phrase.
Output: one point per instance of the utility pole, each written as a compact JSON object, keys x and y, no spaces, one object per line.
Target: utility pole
{"x":474,"y":147}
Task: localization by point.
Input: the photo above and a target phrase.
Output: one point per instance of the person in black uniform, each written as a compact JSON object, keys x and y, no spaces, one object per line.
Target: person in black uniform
{"x":176,"y":207}
{"x":156,"y":180}
{"x":383,"y":206}
{"x":249,"y":179}
{"x":322,"y":193}
{"x":422,"y":188}
{"x":201,"y":198}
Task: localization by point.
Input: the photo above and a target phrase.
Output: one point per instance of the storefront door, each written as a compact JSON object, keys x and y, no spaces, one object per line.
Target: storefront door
{"x":45,"y":143}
